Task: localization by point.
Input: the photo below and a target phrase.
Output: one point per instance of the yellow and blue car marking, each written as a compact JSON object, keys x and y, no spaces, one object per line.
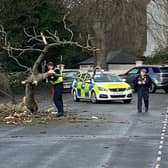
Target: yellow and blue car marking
{"x":103,"y":91}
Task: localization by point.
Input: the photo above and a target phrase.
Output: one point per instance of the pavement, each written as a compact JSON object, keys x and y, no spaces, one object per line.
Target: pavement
{"x":111,"y":135}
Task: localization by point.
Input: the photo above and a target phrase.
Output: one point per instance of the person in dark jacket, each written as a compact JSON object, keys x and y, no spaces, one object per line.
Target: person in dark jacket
{"x":142,"y":83}
{"x":56,"y":80}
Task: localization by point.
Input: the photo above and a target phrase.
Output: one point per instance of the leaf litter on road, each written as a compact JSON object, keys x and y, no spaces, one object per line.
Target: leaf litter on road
{"x":11,"y":114}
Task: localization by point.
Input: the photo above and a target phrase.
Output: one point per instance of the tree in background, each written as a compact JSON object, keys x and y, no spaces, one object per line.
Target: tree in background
{"x":39,"y":15}
{"x":111,"y":24}
{"x":159,"y":58}
{"x":41,"y":44}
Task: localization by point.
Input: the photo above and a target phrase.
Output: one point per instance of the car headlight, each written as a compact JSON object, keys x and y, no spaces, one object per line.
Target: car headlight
{"x":102,"y":89}
{"x":129,"y":88}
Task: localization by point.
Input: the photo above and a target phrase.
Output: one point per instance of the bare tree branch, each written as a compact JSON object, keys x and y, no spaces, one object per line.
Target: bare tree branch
{"x":68,"y":29}
{"x":53,"y":41}
{"x":7,"y":94}
{"x":10,"y":54}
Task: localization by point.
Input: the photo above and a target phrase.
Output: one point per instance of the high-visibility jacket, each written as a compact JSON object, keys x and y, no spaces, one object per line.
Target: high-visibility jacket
{"x":55,"y":80}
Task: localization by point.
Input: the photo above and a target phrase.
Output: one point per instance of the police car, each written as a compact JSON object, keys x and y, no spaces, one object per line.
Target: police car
{"x":101,"y":86}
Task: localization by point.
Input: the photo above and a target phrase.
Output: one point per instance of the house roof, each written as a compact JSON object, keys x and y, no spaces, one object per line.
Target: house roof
{"x":116,"y":57}
{"x":87,"y":61}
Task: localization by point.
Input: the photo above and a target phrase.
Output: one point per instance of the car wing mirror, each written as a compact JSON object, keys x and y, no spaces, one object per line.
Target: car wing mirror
{"x":124,"y":80}
{"x":88,"y":81}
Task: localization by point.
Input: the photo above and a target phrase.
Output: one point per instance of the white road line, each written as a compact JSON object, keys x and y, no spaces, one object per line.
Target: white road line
{"x":159,"y":158}
{"x":157,"y":166}
{"x":162,"y":138}
{"x":159,"y":152}
{"x":160,"y":146}
{"x":163,"y":130}
{"x":161,"y":142}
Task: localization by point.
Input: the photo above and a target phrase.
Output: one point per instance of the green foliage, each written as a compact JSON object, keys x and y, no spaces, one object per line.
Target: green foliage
{"x":15,"y":79}
{"x":161,"y":57}
{"x":43,"y":15}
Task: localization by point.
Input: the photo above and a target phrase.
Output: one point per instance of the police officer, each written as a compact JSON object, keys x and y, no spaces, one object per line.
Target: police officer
{"x":142,"y":84}
{"x":56,"y":80}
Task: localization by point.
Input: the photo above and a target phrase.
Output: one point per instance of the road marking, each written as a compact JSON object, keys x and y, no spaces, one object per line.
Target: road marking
{"x":163,"y":130}
{"x":159,"y":158}
{"x":157,"y":166}
{"x":162,"y":138}
{"x":161,"y":147}
{"x":159,"y":152}
{"x":161,"y":142}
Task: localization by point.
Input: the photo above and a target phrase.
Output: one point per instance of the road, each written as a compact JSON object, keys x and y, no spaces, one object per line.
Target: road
{"x":118,"y":138}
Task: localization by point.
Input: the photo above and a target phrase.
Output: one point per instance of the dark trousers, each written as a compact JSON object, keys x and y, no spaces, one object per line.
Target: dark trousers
{"x":143,"y":95}
{"x":58,"y":90}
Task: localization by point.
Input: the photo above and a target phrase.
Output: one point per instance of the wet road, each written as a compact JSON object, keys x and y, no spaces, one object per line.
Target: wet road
{"x":124,"y":139}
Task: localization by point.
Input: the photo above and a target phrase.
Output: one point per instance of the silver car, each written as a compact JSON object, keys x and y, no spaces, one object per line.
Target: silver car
{"x":158,"y":74}
{"x":69,"y":75}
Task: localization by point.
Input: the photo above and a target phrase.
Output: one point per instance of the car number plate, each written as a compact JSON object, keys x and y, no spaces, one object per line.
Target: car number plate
{"x":117,"y":93}
{"x":67,"y":86}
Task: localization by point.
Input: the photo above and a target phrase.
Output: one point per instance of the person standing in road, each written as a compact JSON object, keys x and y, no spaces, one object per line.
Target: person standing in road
{"x":142,"y":83}
{"x":56,"y":80}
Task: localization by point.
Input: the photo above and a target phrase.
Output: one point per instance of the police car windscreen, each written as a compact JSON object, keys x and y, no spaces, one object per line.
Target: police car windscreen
{"x":106,"y":78}
{"x":69,"y":74}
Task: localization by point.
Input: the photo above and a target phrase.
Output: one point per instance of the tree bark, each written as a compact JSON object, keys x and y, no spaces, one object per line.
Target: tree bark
{"x":30,"y":85}
{"x":99,"y":42}
{"x":29,"y":100}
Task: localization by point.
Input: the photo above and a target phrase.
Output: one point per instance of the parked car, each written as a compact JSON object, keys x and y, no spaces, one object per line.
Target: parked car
{"x":158,"y":74}
{"x":68,"y":76}
{"x":102,"y":86}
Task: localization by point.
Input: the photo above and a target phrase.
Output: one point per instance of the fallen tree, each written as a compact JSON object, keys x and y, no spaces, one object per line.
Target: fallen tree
{"x":46,"y":40}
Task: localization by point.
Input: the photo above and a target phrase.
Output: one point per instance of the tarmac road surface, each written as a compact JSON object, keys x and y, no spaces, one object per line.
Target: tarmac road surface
{"x":112,"y":135}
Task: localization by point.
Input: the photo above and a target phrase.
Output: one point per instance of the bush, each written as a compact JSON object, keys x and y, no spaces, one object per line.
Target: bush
{"x":15,"y":79}
{"x":161,"y":57}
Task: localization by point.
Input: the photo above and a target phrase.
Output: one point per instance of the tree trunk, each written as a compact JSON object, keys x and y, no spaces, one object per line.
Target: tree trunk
{"x":99,"y":42}
{"x":29,"y":100}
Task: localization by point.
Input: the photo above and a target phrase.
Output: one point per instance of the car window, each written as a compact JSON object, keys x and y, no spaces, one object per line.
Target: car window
{"x":146,"y":68}
{"x":156,"y":70}
{"x":106,"y":78}
{"x":69,"y":74}
{"x":164,"y":69}
{"x":133,"y":71}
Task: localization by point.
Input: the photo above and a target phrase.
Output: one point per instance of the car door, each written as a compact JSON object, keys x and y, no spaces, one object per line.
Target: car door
{"x":87,"y":86}
{"x":132,"y":74}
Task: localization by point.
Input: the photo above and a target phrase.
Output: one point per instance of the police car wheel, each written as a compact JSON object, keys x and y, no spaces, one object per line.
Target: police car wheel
{"x":93,"y":97}
{"x":75,"y":98}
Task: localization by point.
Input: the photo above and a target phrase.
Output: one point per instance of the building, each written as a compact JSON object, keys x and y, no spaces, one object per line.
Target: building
{"x":157,"y":31}
{"x":118,"y":61}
